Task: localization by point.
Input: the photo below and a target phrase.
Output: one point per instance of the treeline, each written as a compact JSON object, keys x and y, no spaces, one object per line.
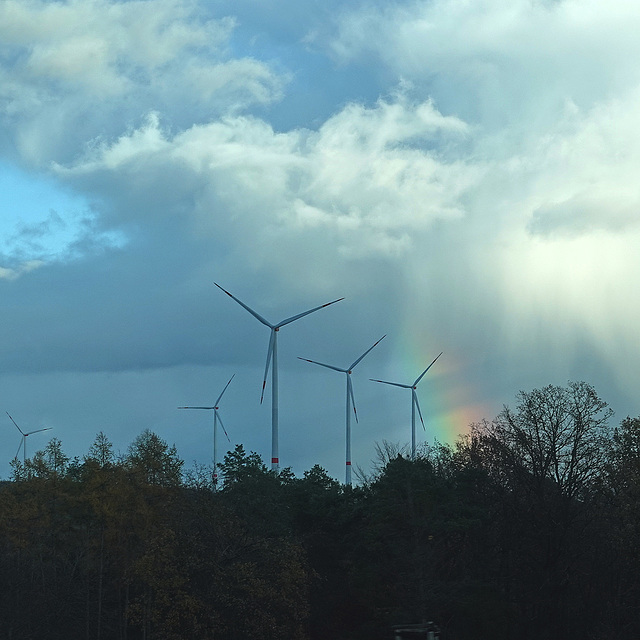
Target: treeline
{"x":527,"y":528}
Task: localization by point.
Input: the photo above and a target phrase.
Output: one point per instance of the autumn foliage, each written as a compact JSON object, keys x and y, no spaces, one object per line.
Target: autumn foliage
{"x":527,"y":528}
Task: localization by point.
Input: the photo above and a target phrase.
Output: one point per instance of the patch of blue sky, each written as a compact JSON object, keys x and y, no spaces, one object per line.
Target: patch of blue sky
{"x":40,"y":219}
{"x":317,"y":86}
{"x":318,"y":90}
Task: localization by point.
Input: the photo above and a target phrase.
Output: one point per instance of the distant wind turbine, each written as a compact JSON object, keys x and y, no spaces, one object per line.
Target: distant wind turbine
{"x":216,"y":419}
{"x":272,"y":360}
{"x":23,"y":440}
{"x":350,"y":403}
{"x":414,"y":403}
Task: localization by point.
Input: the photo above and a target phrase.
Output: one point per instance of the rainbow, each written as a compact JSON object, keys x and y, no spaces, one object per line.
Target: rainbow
{"x":445,"y":398}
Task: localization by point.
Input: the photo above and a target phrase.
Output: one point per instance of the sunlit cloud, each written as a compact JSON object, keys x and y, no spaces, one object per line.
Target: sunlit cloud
{"x":106,"y":63}
{"x":14,"y":273}
{"x":368,"y":176}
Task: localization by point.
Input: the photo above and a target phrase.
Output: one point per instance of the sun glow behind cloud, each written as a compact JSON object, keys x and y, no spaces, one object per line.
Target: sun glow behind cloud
{"x":572,"y":288}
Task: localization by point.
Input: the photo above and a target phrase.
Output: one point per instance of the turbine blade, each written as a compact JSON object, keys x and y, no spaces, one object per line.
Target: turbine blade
{"x":367,"y":351}
{"x":306,"y":313}
{"x":37,"y":431}
{"x":395,"y":384}
{"x":220,"y":421}
{"x":328,"y":366}
{"x":196,"y":408}
{"x":247,"y":307}
{"x":14,"y":422}
{"x":350,"y":392}
{"x":415,"y":399}
{"x":225,"y":388}
{"x":266,"y":368}
{"x":20,"y":447}
{"x":427,"y":369}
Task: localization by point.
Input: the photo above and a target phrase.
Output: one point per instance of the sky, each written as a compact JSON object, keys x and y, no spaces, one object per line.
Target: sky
{"x":464,"y":174}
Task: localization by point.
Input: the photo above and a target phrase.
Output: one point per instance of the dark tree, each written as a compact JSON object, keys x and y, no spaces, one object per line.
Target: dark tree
{"x":548,"y":456}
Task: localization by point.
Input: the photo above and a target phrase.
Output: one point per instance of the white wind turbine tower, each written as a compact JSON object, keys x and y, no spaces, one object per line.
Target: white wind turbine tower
{"x":350,"y":403}
{"x":216,"y":419}
{"x":414,"y":403}
{"x":272,"y":360}
{"x":23,"y":441}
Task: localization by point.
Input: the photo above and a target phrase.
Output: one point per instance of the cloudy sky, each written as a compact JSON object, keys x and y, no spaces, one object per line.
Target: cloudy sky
{"x":464,"y":173}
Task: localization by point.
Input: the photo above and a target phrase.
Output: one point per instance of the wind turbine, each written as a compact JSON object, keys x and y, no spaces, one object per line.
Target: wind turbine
{"x":272,"y":360}
{"x":216,"y":419}
{"x":414,"y":403}
{"x":23,"y":441}
{"x":350,"y":403}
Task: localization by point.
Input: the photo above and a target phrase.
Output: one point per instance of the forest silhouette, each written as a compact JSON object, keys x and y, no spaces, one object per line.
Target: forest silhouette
{"x":527,"y":527}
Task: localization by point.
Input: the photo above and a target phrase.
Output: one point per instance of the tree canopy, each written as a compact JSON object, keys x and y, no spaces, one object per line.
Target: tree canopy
{"x":527,"y":527}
